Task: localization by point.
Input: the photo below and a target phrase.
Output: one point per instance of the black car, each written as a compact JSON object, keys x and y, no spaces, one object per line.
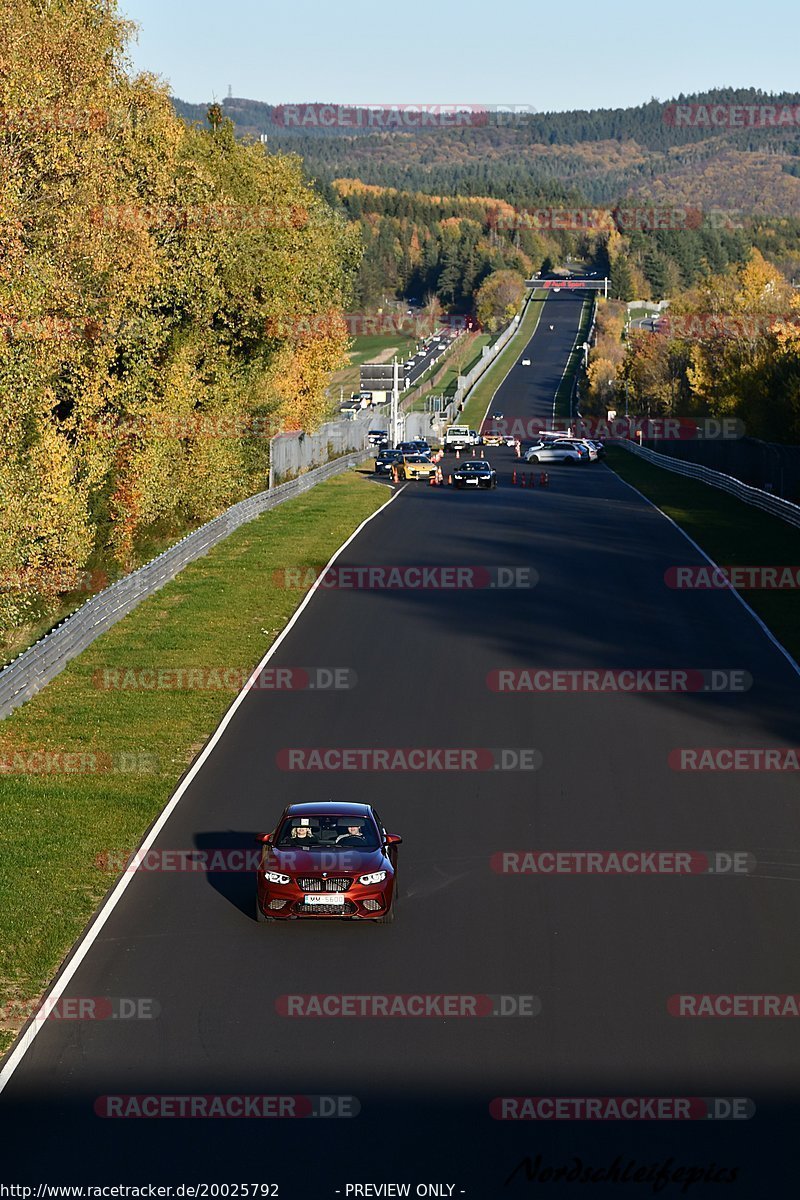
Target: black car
{"x":475,"y":473}
{"x":386,"y":460}
{"x":414,"y":447}
{"x":377,"y":437}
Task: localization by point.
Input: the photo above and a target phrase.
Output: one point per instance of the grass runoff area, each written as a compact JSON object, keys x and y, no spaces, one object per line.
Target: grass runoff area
{"x":487,"y":385}
{"x":372,"y":348}
{"x":67,"y":823}
{"x":731,"y":532}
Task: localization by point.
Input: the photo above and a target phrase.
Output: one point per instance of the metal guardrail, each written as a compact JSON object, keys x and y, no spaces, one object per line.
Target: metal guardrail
{"x":28,"y":673}
{"x":773,"y":505}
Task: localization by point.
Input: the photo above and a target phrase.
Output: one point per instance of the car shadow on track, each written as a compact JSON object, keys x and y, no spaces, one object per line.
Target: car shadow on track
{"x":231,"y":859}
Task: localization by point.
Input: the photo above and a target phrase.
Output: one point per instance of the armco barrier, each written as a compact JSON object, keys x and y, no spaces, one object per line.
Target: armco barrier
{"x":36,"y":666}
{"x":467,"y":382}
{"x":726,"y":483}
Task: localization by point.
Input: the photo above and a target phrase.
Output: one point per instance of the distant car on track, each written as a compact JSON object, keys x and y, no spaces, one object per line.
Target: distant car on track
{"x":377,"y":437}
{"x":327,"y":859}
{"x":526,"y":362}
{"x":475,"y":473}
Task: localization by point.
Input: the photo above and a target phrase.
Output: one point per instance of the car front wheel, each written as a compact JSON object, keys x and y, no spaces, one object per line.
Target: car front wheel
{"x":532,"y":459}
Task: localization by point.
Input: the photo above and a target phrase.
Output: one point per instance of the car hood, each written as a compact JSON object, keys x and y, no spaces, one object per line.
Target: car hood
{"x":335,"y":862}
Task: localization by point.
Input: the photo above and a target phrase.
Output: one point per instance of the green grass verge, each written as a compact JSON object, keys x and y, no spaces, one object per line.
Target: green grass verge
{"x":487,"y":385}
{"x":61,"y":834}
{"x":367,"y":348}
{"x":731,"y":532}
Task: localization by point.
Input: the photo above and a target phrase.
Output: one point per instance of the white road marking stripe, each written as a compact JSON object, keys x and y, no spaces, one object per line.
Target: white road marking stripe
{"x":795,"y":666}
{"x":85,"y":942}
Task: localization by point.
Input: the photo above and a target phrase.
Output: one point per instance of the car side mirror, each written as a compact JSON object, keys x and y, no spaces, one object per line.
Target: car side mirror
{"x":393,"y":839}
{"x":264,"y":838}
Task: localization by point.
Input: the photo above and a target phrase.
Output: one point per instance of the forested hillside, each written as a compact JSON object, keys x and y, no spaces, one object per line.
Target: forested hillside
{"x":148,"y":276}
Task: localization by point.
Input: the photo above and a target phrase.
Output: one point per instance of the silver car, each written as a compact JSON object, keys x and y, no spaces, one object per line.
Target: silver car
{"x":556,"y":452}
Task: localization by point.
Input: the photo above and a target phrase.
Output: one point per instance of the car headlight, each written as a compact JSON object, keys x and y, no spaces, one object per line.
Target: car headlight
{"x":375,"y":877}
{"x":276,"y":877}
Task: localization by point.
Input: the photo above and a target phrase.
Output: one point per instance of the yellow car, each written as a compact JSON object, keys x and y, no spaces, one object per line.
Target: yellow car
{"x":417,"y":466}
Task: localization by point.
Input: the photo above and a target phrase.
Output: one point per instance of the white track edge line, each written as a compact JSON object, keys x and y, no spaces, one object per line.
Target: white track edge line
{"x":87,"y":939}
{"x":728,"y":585}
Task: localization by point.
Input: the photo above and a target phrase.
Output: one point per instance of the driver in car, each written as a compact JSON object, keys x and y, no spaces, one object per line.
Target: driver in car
{"x":353,"y":838}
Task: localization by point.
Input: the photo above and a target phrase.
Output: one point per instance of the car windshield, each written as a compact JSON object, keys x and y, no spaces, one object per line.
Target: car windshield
{"x":477,"y":467}
{"x":415,"y":458}
{"x":390,"y":455}
{"x":327,"y":832}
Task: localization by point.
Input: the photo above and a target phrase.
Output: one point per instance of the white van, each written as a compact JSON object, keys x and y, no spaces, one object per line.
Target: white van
{"x":457,"y":437}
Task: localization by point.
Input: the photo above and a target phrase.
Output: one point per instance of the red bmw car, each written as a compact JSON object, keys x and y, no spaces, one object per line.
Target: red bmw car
{"x":328,"y":860}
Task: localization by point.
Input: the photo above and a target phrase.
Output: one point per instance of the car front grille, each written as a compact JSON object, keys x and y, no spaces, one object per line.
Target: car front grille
{"x":341,"y":910}
{"x":324,"y":885}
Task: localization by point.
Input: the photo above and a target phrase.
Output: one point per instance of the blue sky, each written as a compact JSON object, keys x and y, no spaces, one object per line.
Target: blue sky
{"x":551,"y":56}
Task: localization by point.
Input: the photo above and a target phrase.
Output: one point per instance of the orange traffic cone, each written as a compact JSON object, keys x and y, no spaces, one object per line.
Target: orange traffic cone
{"x":458,"y":454}
{"x":543,"y":479}
{"x":395,"y":475}
{"x":449,"y":480}
{"x":432,"y":480}
{"x":439,"y":479}
{"x":481,"y":452}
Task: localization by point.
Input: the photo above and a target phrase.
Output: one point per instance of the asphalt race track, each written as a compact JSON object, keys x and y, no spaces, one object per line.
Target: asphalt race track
{"x":601,"y":953}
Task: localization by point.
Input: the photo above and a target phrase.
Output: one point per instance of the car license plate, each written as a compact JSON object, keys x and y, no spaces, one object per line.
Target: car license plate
{"x":324,"y":898}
